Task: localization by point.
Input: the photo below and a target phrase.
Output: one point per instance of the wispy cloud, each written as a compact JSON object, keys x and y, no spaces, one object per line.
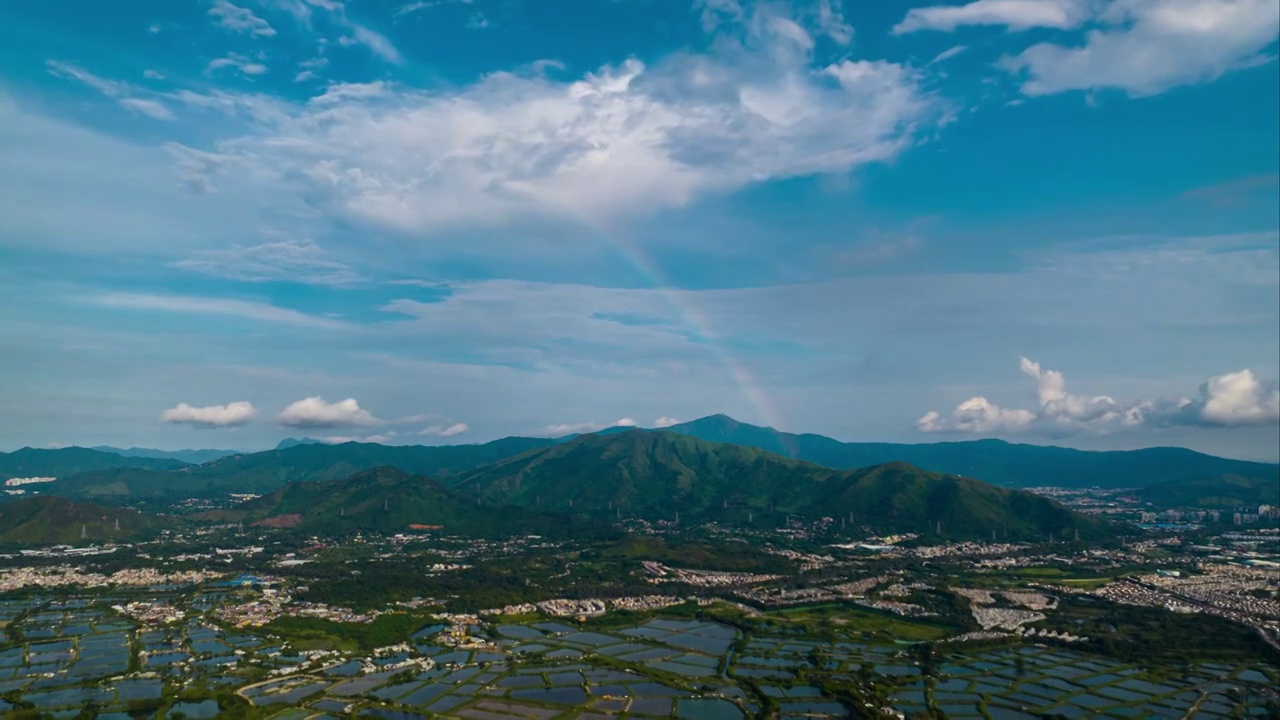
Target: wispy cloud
{"x":240,"y":62}
{"x":377,"y":43}
{"x":445,"y":430}
{"x":123,"y":93}
{"x":187,"y":304}
{"x":948,"y":54}
{"x":1236,"y":192}
{"x":298,"y":261}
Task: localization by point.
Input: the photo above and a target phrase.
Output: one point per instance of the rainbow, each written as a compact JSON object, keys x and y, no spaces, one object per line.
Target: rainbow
{"x":753,"y":390}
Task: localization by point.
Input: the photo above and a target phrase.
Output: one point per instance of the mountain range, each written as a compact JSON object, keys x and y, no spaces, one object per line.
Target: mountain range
{"x":995,"y":461}
{"x":190,"y":456}
{"x":263,"y":472}
{"x":63,"y":462}
{"x":667,"y":476}
{"x":655,"y":480}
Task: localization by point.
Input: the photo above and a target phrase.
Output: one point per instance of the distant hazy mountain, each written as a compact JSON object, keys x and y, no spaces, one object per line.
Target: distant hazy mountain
{"x":195,"y":457}
{"x":47,"y":520}
{"x":62,"y":462}
{"x":287,"y":443}
{"x":994,"y":461}
{"x":1220,"y":491}
{"x":263,"y":472}
{"x":654,"y":475}
{"x":387,"y":500}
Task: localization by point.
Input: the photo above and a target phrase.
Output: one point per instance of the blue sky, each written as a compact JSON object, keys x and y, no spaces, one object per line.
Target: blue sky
{"x":1052,"y":221}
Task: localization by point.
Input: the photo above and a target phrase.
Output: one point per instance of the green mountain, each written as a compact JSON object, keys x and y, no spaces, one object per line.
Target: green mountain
{"x":263,"y":472}
{"x":194,"y":457}
{"x":655,"y":475}
{"x":62,"y":462}
{"x":995,"y":461}
{"x":387,"y":500}
{"x":1218,"y":492}
{"x":49,"y":520}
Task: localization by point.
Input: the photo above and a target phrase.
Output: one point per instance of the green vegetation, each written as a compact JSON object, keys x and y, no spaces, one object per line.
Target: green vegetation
{"x":309,"y":633}
{"x":695,"y":555}
{"x":1156,"y":636}
{"x":994,"y":461}
{"x":1217,"y":491}
{"x":386,"y":500}
{"x":48,"y":520}
{"x":653,"y":475}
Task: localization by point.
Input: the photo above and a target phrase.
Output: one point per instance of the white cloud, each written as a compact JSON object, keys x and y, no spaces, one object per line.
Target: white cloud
{"x":239,"y":62}
{"x":477,"y":21}
{"x":584,"y":427}
{"x":977,"y":415}
{"x":151,"y":108}
{"x":299,"y":261}
{"x":625,"y":140}
{"x":1150,"y":46}
{"x":377,"y":43}
{"x":304,"y":76}
{"x":1013,"y":14}
{"x":234,"y":17}
{"x":123,"y":93}
{"x":188,"y":304}
{"x":381,"y":439}
{"x":229,"y":415}
{"x":1231,"y":400}
{"x":314,"y":412}
{"x":153,"y":74}
{"x":948,"y":54}
{"x":665,"y":422}
{"x":830,"y":22}
{"x":340,"y":92}
{"x":410,"y":8}
{"x":445,"y":430}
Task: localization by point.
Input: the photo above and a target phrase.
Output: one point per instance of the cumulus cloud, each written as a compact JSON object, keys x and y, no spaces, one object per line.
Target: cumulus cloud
{"x":1013,"y":14}
{"x":1149,"y":46}
{"x":240,"y":19}
{"x":211,"y":416}
{"x":626,"y":139}
{"x":445,"y":430}
{"x":1230,"y":400}
{"x":314,"y":412}
{"x":299,"y":261}
{"x":665,"y":422}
